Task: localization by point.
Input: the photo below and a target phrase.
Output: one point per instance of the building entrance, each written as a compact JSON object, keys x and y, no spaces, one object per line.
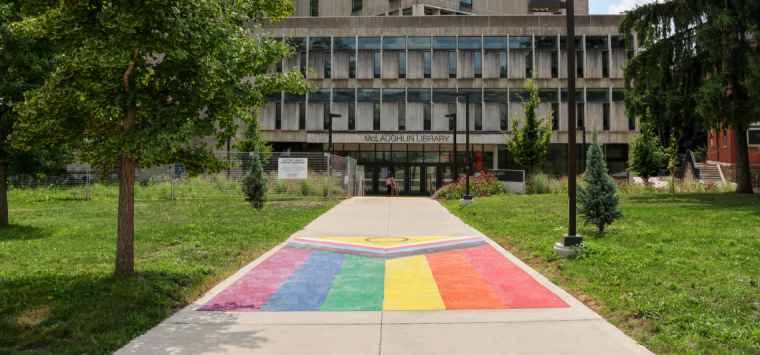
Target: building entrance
{"x":413,"y":179}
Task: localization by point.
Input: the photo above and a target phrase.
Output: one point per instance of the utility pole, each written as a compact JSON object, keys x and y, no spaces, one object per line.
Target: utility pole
{"x":467,"y":198}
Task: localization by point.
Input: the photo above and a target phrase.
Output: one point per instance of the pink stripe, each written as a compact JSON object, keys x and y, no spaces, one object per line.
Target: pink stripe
{"x":250,"y":292}
{"x":380,"y":249}
{"x":511,"y":283}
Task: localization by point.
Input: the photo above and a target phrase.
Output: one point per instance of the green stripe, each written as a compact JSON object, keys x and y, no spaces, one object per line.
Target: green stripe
{"x":359,"y":286}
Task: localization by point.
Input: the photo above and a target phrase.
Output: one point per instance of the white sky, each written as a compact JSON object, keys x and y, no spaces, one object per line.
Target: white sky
{"x":613,"y":6}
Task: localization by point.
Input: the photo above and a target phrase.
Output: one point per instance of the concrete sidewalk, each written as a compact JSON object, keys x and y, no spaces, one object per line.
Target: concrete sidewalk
{"x":569,"y":330}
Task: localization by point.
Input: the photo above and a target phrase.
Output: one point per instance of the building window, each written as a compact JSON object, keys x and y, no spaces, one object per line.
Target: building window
{"x":528,"y":64}
{"x":630,"y":54}
{"x":328,"y":65}
{"x":605,"y":64}
{"x":631,"y":123}
{"x":301,"y":115}
{"x":279,"y":67}
{"x":426,"y":121}
{"x":326,"y":117}
{"x":503,"y":117}
{"x":725,"y":141}
{"x":378,"y":63}
{"x":376,"y":116}
{"x":352,"y":64}
{"x":407,"y":12}
{"x":503,"y":64}
{"x":579,"y":115}
{"x":356,"y":5}
{"x":401,"y":116}
{"x":277,"y":116}
{"x":555,"y":64}
{"x":579,"y":64}
{"x":711,"y":139}
{"x":465,"y":2}
{"x":426,"y":65}
{"x":478,"y":117}
{"x":314,"y":8}
{"x":352,"y":116}
{"x":452,"y":64}
{"x":478,"y":64}
{"x":303,"y":64}
{"x":555,"y":116}
{"x":605,"y":117}
{"x":452,"y":109}
{"x":402,"y":65}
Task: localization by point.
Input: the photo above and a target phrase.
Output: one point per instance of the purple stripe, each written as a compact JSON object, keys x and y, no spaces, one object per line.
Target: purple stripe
{"x":251,"y":291}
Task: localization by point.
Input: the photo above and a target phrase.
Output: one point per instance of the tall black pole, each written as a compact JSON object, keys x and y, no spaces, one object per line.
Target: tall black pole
{"x":571,"y":238}
{"x":467,"y":195}
{"x":329,"y":136}
{"x":456,"y":172}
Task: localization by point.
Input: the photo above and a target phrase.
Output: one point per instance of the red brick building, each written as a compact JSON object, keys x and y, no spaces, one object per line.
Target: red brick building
{"x":722,"y":151}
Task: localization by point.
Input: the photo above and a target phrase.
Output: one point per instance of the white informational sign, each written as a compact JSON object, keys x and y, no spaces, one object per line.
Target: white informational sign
{"x":292,"y":168}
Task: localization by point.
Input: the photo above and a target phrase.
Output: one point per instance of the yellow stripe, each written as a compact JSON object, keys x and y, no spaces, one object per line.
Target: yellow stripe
{"x":409,"y":285}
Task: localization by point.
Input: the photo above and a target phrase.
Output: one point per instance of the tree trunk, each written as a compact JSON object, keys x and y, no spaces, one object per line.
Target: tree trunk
{"x":3,"y":196}
{"x":125,"y":234}
{"x":743,"y":176}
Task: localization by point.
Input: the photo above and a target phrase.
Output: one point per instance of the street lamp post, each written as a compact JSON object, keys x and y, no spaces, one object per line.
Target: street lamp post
{"x":456,"y":172}
{"x":467,"y":198}
{"x":571,"y":239}
{"x":330,"y":129}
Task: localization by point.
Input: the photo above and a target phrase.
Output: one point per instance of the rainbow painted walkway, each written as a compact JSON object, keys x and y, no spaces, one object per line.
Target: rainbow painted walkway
{"x":384,"y":273}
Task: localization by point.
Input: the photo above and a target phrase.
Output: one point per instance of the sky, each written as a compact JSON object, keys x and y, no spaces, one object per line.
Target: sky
{"x":600,"y":7}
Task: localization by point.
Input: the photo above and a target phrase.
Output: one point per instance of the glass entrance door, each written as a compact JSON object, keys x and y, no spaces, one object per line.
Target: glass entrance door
{"x":431,"y":179}
{"x":398,"y":173}
{"x":415,"y":180}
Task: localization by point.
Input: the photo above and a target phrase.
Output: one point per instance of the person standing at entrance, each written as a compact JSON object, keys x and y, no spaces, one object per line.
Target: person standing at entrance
{"x":389,"y":183}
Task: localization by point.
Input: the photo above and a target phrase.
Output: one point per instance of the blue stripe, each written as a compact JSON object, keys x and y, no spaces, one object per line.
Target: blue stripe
{"x":433,"y":246}
{"x":306,"y":289}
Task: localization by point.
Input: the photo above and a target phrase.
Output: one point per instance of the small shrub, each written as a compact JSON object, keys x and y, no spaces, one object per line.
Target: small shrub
{"x":540,"y":181}
{"x":480,"y":186}
{"x":255,"y":184}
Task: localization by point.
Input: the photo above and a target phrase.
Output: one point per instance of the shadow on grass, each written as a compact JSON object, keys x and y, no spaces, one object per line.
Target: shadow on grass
{"x":704,"y":201}
{"x":17,"y":232}
{"x":96,"y":314}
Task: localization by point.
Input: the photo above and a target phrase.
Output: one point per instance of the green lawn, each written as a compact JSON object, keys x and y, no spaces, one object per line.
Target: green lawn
{"x":57,"y":292}
{"x":680,"y":276}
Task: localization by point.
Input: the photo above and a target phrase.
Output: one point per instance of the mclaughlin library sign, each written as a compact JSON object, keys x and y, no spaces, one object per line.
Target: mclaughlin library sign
{"x":406,"y":138}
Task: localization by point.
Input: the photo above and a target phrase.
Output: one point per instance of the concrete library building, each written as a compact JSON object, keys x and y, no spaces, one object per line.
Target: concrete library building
{"x":388,"y":68}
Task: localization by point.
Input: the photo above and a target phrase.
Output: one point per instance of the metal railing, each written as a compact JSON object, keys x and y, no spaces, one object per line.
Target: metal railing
{"x":316,"y":175}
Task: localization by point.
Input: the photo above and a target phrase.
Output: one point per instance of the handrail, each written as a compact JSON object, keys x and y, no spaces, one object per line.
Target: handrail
{"x":690,"y":160}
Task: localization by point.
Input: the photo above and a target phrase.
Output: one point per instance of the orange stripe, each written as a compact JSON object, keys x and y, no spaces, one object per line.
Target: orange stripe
{"x":460,"y":284}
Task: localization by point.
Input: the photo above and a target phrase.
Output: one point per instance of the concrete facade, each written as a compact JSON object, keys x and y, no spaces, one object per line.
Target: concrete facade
{"x":411,"y":63}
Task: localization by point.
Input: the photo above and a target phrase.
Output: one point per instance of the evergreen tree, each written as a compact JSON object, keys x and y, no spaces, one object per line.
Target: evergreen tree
{"x":255,"y":184}
{"x":25,"y":62}
{"x":700,"y":65}
{"x":253,"y":141}
{"x":598,"y":198}
{"x":646,"y":154}
{"x":530,"y":135}
{"x":139,"y":80}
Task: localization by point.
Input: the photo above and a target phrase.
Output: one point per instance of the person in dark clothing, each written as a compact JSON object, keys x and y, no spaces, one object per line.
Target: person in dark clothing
{"x":388,"y":183}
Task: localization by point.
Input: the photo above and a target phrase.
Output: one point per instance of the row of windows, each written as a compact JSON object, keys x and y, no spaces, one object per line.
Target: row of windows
{"x":477,"y":64}
{"x":444,"y":95}
{"x":427,"y":122}
{"x":453,"y":42}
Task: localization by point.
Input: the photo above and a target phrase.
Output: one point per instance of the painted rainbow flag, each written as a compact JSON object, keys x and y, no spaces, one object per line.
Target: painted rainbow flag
{"x":384,"y":273}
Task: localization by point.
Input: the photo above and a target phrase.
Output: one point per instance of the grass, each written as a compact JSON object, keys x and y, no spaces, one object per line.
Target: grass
{"x":680,"y":277}
{"x":57,"y":292}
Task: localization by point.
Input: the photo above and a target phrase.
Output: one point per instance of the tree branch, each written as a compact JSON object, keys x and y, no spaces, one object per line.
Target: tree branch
{"x":129,"y":71}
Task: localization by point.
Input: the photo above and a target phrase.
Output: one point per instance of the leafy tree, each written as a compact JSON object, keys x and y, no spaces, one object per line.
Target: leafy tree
{"x":646,"y":154}
{"x":253,"y":141}
{"x":699,"y":66}
{"x":24,"y":63}
{"x":530,"y":135}
{"x":255,"y":184}
{"x":598,"y":198}
{"x":141,"y":79}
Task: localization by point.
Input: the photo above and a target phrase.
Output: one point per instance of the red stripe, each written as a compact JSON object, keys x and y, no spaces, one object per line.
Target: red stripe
{"x":460,"y":284}
{"x":511,"y":283}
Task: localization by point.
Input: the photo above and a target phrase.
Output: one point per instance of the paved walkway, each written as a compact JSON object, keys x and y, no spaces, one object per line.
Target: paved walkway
{"x":386,"y":276}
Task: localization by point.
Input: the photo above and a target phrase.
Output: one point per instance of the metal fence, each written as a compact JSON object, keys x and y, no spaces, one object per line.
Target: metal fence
{"x":311,"y":175}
